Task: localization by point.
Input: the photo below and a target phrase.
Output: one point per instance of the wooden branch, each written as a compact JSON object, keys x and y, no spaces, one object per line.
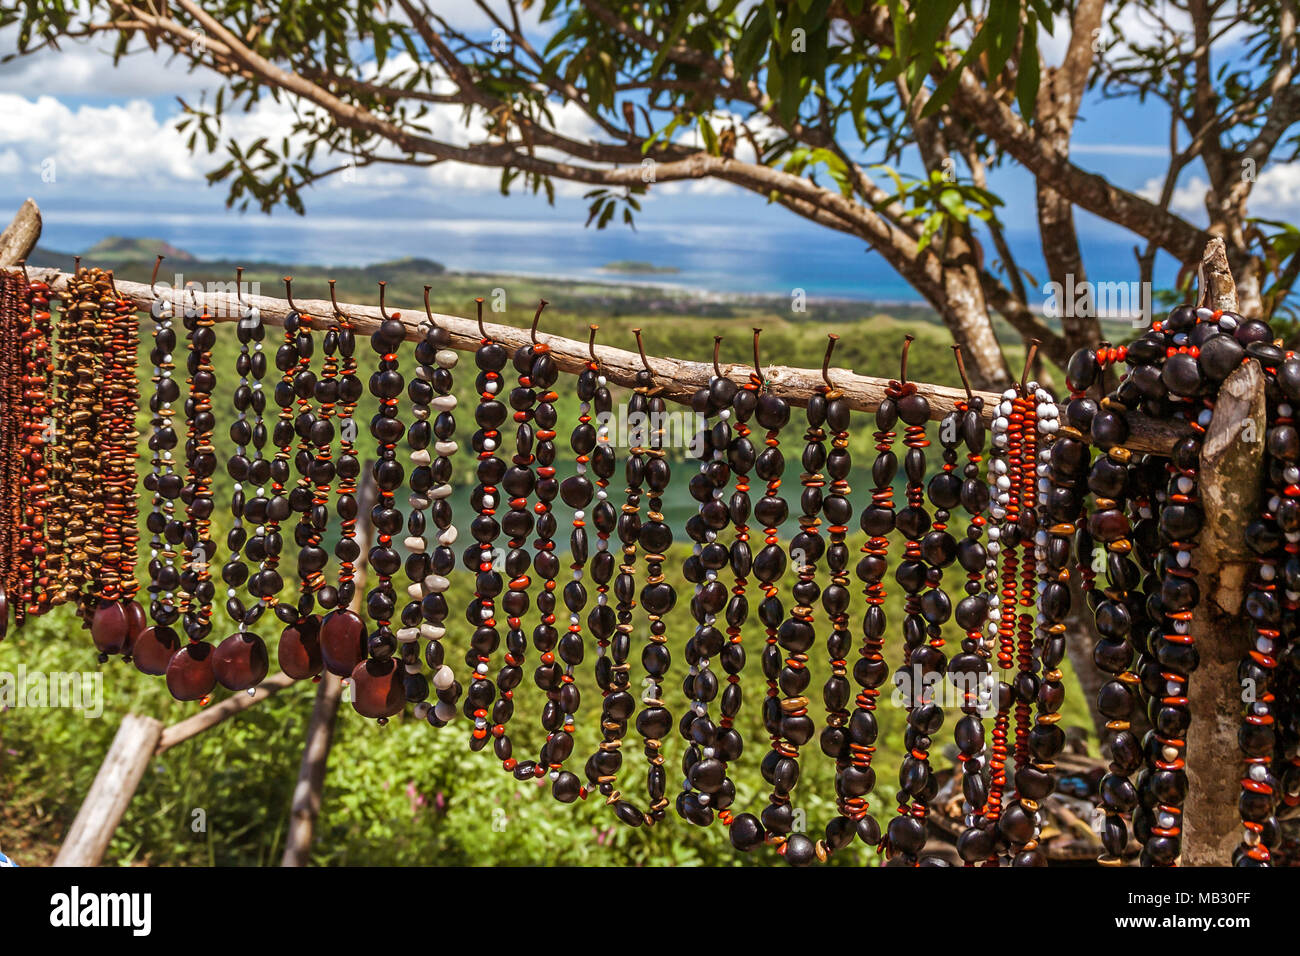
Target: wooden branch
{"x":679,"y":377}
{"x":120,"y":773}
{"x":1231,"y":472}
{"x":211,"y":716}
{"x":20,"y":236}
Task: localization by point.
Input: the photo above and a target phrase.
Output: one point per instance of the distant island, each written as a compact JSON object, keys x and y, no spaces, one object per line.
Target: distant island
{"x":408,"y":264}
{"x":636,"y":267}
{"x":122,"y":248}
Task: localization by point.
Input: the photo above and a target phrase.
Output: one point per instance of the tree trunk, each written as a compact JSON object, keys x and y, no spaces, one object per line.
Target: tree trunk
{"x":1229,"y":487}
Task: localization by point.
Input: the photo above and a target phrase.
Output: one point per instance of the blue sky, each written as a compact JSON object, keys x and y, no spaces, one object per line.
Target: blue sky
{"x":94,"y":146}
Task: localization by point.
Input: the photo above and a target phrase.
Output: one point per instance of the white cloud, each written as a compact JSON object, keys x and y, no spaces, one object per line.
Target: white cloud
{"x":85,"y":68}
{"x":1275,"y":195}
{"x":1120,"y":149}
{"x":125,"y":142}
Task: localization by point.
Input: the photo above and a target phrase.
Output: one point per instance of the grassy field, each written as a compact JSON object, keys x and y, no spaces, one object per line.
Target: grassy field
{"x":406,"y":793}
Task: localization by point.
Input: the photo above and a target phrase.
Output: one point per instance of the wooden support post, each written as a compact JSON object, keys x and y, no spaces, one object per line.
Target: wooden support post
{"x":311,"y":774}
{"x":20,"y":236}
{"x":128,"y":757}
{"x":320,"y":729}
{"x":1232,"y":462}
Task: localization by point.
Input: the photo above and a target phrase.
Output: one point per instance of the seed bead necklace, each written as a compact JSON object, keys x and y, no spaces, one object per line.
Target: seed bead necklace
{"x":706,"y":788}
{"x":37,"y":406}
{"x":741,"y":458}
{"x":786,"y":718}
{"x":772,"y":413}
{"x":971,"y":670}
{"x":154,"y":647}
{"x":1270,"y":603}
{"x":430,"y":394}
{"x":189,"y":672}
{"x":338,"y":640}
{"x":480,"y":557}
{"x":378,"y":686}
{"x":240,"y":662}
{"x":563,"y":697}
{"x":115,"y":618}
{"x":906,"y":832}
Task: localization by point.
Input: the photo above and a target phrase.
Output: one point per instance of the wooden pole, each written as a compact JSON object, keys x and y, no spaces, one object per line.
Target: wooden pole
{"x":307,"y":792}
{"x":132,"y":748}
{"x":20,"y":236}
{"x":320,"y":729}
{"x":679,"y":377}
{"x":1232,"y":462}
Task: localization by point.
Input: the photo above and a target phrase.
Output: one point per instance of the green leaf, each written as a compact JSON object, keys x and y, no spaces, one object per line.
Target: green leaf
{"x":931,"y":18}
{"x":753,"y":42}
{"x":1027,"y":78}
{"x":943,"y":92}
{"x":952,"y":201}
{"x":674,"y":34}
{"x":709,"y":138}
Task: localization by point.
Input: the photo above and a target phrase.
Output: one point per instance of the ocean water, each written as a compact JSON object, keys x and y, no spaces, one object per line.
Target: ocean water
{"x":772,"y":255}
